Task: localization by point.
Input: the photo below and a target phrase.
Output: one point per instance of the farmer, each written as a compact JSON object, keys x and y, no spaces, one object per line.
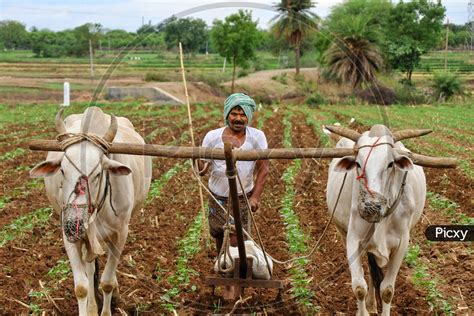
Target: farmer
{"x":238,"y":111}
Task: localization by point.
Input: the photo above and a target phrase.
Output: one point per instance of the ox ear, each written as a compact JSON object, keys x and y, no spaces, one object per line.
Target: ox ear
{"x":345,"y":164}
{"x":115,"y":167}
{"x":403,"y":162}
{"x":46,"y":168}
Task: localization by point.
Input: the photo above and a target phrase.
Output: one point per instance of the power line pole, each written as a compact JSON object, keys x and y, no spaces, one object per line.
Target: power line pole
{"x":470,"y":8}
{"x":446,"y":54}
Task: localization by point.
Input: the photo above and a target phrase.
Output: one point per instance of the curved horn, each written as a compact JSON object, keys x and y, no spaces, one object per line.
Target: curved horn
{"x":59,"y":123}
{"x":430,"y":162}
{"x":409,"y":133}
{"x":110,"y":134}
{"x":345,"y":132}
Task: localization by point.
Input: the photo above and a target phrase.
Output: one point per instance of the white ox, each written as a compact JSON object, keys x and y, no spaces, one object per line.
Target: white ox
{"x":375,"y":211}
{"x":95,"y":193}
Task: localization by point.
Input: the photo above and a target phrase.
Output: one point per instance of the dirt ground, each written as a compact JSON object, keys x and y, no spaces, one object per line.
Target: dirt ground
{"x":150,"y":254}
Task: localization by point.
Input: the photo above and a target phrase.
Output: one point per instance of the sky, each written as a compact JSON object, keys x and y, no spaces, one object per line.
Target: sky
{"x":129,"y":15}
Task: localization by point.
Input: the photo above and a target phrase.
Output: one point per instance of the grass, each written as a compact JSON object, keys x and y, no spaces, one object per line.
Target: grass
{"x":422,"y":279}
{"x":157,"y":185}
{"x":24,"y":224}
{"x":188,"y":247}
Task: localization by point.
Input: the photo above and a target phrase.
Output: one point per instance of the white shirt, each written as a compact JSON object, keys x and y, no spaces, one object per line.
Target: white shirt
{"x":218,"y":182}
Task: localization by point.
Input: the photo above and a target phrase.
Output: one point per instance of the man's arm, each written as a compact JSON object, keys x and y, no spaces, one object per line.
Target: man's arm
{"x":262,"y":170}
{"x":201,"y":165}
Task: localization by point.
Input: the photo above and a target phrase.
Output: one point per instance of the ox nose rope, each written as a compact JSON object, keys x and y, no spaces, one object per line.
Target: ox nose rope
{"x":82,"y":186}
{"x":362,"y":175}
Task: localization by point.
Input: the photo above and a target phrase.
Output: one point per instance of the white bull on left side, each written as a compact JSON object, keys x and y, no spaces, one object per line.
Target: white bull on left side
{"x":381,"y":201}
{"x":95,"y":193}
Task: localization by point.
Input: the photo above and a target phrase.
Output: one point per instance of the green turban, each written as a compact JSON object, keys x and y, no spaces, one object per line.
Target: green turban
{"x":239,"y":99}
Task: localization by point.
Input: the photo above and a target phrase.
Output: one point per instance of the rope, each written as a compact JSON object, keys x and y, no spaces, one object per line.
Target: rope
{"x":205,"y":229}
{"x":68,"y":139}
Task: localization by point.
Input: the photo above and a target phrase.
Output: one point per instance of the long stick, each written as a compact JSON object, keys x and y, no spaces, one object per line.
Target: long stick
{"x":248,"y":155}
{"x":201,"y":198}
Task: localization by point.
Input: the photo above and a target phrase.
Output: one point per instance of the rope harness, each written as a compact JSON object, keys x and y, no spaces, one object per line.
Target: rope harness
{"x":75,"y":217}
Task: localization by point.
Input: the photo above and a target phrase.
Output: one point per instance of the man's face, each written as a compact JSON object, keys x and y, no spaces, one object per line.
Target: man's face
{"x":237,"y":119}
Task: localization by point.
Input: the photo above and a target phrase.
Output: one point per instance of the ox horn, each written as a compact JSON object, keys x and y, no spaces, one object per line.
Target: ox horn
{"x":409,"y":133}
{"x":343,"y":131}
{"x":427,"y":161}
{"x":110,"y":134}
{"x":59,"y":123}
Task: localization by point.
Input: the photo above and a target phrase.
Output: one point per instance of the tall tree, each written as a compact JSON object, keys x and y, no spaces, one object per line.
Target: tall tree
{"x":353,"y":55}
{"x":294,"y":21}
{"x":414,"y":28}
{"x":192,"y":33}
{"x":13,"y":34}
{"x":236,"y":39}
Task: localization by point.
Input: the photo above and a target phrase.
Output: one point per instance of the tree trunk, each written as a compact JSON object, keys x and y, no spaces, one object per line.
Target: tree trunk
{"x":233,"y":75}
{"x":297,"y":58}
{"x":409,"y":75}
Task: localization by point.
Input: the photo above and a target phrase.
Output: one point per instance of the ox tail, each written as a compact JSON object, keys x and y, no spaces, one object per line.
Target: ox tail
{"x":376,"y":274}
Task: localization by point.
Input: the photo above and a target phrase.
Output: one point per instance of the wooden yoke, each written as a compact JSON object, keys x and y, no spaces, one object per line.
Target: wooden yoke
{"x":234,"y":199}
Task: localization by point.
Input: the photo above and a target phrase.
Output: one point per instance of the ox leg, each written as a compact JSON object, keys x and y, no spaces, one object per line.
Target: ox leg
{"x":81,"y":282}
{"x":92,"y":304}
{"x":359,"y":286}
{"x":108,"y":280}
{"x":387,"y":287}
{"x":371,"y":301}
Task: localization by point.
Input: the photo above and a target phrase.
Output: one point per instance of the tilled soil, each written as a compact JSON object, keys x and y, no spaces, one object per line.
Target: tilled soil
{"x":150,"y":254}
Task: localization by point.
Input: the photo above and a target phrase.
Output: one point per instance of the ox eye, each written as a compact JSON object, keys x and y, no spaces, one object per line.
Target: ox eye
{"x":358,"y":165}
{"x":390,"y":165}
{"x":97,"y":176}
{"x":62,"y":171}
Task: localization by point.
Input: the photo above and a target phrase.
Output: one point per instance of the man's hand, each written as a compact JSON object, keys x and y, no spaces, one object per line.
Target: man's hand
{"x":253,"y":204}
{"x":201,"y":166}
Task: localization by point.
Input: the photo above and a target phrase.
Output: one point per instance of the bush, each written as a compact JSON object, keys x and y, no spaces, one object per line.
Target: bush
{"x":242,"y":73}
{"x":377,"y":94}
{"x":407,"y":94}
{"x":281,"y":78}
{"x":315,"y":99}
{"x":156,"y":76}
{"x":446,"y":85}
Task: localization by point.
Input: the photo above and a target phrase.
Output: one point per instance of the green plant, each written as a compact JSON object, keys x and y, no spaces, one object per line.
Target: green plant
{"x":408,"y":94}
{"x":243,"y":73}
{"x":446,"y":85}
{"x":61,"y":271}
{"x":315,"y":99}
{"x":281,"y":78}
{"x":188,"y":247}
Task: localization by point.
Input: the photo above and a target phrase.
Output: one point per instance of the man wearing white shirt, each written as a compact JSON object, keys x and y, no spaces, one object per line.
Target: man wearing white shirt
{"x":238,"y":112}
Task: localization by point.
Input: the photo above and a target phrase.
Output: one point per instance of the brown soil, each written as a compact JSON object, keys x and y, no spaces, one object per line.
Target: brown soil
{"x":150,"y":254}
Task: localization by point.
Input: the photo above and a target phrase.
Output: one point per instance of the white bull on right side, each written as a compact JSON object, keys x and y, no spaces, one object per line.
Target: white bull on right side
{"x":381,"y":201}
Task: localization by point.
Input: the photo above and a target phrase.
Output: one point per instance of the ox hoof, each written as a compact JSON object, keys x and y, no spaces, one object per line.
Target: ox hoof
{"x":387,"y":294}
{"x":360,"y":293}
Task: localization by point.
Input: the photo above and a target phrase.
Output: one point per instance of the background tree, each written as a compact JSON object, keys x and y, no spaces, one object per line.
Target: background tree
{"x":192,"y":33}
{"x":414,"y":28}
{"x":353,"y":55}
{"x":13,"y":34}
{"x":236,"y":39}
{"x":294,"y":21}
{"x":84,"y":33}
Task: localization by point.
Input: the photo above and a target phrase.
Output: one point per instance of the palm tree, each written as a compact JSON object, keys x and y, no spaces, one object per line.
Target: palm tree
{"x":353,"y":56}
{"x":294,"y":21}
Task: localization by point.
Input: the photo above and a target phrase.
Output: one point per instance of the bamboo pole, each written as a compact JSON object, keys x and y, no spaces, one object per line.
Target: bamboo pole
{"x":248,"y":155}
{"x":205,"y":229}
